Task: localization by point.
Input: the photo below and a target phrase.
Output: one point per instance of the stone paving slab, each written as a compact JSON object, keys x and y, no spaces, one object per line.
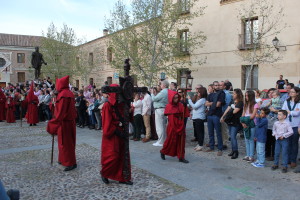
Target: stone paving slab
{"x":14,"y":136}
{"x":32,"y":174}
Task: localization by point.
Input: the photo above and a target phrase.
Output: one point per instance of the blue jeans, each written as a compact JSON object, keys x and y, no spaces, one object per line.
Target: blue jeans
{"x":3,"y":194}
{"x":250,"y":143}
{"x":233,"y":130}
{"x":213,"y":122}
{"x":293,"y":145}
{"x":260,"y":150}
{"x":92,"y":118}
{"x":282,"y":145}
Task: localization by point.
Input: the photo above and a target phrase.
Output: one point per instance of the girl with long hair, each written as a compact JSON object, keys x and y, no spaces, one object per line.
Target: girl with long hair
{"x":250,"y":110}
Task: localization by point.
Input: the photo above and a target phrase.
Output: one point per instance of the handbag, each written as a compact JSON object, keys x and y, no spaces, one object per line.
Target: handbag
{"x":228,"y":118}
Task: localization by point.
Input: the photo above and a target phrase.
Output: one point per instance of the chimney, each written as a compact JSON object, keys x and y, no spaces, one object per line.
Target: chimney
{"x":105,"y":32}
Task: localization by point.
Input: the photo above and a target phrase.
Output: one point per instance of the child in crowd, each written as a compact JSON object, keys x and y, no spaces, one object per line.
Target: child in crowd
{"x":275,"y":102}
{"x":282,"y":130}
{"x":258,"y":100}
{"x":261,"y":137}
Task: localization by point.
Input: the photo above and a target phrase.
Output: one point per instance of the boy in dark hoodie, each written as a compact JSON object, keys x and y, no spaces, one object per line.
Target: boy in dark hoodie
{"x":261,"y":137}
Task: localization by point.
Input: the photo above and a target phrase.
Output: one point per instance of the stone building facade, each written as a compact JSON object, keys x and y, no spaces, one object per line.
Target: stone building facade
{"x":15,"y":58}
{"x":224,"y":30}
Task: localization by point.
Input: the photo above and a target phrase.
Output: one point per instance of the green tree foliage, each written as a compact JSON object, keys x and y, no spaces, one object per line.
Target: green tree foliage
{"x":155,"y":35}
{"x":59,"y":50}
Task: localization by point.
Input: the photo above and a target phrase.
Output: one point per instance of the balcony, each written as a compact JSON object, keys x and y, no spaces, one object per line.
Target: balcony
{"x":247,"y":44}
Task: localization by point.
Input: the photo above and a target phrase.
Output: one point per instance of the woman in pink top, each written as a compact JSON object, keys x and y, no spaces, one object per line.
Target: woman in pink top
{"x":250,"y":110}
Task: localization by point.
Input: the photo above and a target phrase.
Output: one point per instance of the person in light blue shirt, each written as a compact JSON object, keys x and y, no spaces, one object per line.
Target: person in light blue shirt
{"x":199,"y":116}
{"x":288,"y":88}
{"x":160,"y":101}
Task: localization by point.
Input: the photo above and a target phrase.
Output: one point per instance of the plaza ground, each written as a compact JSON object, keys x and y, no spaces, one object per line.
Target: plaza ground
{"x":25,"y":154}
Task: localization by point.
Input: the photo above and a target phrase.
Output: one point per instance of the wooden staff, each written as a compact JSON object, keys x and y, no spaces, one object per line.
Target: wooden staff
{"x":181,"y":149}
{"x":52,"y":149}
{"x":21,"y":114}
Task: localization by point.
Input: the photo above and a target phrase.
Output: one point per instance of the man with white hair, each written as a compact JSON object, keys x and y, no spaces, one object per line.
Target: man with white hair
{"x":160,"y":101}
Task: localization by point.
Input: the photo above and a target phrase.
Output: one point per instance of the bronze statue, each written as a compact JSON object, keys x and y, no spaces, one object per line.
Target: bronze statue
{"x":37,"y":61}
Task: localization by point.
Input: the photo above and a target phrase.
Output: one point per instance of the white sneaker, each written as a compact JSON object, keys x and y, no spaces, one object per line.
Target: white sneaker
{"x":155,"y":144}
{"x":199,"y":148}
{"x":196,"y":146}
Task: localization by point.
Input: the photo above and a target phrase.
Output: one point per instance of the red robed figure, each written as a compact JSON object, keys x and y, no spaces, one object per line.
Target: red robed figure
{"x":113,"y":156}
{"x":63,"y":124}
{"x":2,"y":105}
{"x":175,"y":142}
{"x":10,"y":110}
{"x":32,"y":108}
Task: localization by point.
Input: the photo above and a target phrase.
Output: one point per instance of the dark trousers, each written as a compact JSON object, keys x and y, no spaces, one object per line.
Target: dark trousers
{"x":137,"y":125}
{"x":81,"y":116}
{"x":47,"y":112}
{"x":270,"y":144}
{"x":195,"y":132}
{"x":199,"y":130}
{"x":293,"y":146}
{"x":41,"y":113}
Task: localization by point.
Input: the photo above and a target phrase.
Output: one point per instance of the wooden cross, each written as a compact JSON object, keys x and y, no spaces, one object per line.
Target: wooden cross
{"x":126,"y":91}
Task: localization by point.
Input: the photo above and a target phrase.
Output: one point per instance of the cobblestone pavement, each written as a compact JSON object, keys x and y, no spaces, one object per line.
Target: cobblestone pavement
{"x":30,"y":171}
{"x":25,"y":165}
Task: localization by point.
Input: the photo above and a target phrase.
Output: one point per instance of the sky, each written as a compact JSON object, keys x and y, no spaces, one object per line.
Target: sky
{"x":31,"y":17}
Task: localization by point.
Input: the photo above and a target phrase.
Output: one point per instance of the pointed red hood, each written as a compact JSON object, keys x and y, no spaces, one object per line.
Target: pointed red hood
{"x":30,"y":95}
{"x":172,"y":108}
{"x":171,"y":95}
{"x":113,"y":96}
{"x":62,"y":83}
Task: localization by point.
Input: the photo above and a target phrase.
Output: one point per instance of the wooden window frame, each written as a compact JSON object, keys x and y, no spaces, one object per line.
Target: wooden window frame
{"x":252,"y":77}
{"x":21,"y":57}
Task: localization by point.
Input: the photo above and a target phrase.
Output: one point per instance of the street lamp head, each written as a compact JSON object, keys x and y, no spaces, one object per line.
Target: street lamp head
{"x":275,"y":42}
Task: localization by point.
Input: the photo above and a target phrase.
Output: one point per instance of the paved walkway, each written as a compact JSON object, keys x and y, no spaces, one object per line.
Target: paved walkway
{"x":25,"y":165}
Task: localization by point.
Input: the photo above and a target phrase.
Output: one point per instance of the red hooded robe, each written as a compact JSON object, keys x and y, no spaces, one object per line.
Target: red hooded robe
{"x":63,"y":124}
{"x":10,"y":110}
{"x":175,"y":142}
{"x":2,"y":105}
{"x":115,"y":160}
{"x":32,"y":108}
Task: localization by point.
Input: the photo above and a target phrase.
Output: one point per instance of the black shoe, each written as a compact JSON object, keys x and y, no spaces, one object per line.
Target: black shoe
{"x":183,"y":160}
{"x":70,"y":168}
{"x":105,"y":180}
{"x":231,"y":153}
{"x":126,"y":182}
{"x":13,"y":194}
{"x":30,"y":124}
{"x":235,"y":155}
{"x":59,"y":163}
{"x":34,"y":124}
{"x":224,"y":147}
{"x":284,"y":170}
{"x":162,"y":156}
